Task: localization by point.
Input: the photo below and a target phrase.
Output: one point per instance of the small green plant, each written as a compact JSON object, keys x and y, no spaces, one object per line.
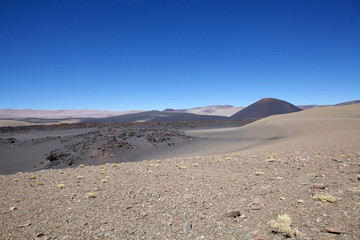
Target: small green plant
{"x":15,"y":179}
{"x":324,"y":198}
{"x":61,"y":172}
{"x":18,"y":173}
{"x":39,"y":183}
{"x":115,"y":165}
{"x":32,"y":177}
{"x":282,"y":225}
{"x":81,"y":165}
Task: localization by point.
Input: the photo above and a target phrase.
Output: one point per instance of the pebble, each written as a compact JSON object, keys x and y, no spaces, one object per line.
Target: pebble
{"x":187,"y":227}
{"x":233,"y":213}
{"x":319,"y":185}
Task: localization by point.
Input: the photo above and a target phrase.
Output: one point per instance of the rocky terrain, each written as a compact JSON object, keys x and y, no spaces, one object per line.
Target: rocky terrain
{"x":29,"y":148}
{"x":302,"y":181}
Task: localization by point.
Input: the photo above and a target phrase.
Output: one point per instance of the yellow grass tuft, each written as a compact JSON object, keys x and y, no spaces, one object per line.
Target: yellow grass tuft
{"x":39,"y":183}
{"x":81,"y":165}
{"x":181,"y":167}
{"x":218,"y":159}
{"x":104,"y":180}
{"x":324,"y":198}
{"x":61,"y":186}
{"x":115,"y":165}
{"x":157,"y":165}
{"x":271,"y":160}
{"x":91,"y":195}
{"x":358,"y":177}
{"x":195,"y":165}
{"x":61,"y":172}
{"x":18,"y":173}
{"x":79,"y":177}
{"x":15,"y":179}
{"x":282,"y":225}
{"x":258,"y":173}
{"x":32,"y":177}
{"x":102,"y":171}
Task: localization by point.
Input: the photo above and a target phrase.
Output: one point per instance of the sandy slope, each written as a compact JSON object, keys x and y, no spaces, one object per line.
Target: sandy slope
{"x":188,"y":198}
{"x":17,"y":123}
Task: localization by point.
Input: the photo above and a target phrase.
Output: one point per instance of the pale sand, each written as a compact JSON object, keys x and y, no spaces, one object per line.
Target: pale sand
{"x":18,"y":123}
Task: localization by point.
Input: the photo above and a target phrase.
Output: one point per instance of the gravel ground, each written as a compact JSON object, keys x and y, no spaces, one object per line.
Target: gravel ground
{"x":189,"y":198}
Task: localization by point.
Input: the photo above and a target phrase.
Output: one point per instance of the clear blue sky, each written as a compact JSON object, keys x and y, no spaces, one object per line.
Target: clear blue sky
{"x":156,"y":54}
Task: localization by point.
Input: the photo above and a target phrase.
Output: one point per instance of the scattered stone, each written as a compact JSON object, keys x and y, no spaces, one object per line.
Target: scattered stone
{"x":233,"y":213}
{"x":319,"y":186}
{"x":13,"y":208}
{"x":26,"y":224}
{"x":332,"y":230}
{"x":300,"y":201}
{"x":187,"y":227}
{"x":143,"y":213}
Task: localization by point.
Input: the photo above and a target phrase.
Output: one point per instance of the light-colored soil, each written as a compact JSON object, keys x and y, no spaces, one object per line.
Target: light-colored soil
{"x":190,"y":197}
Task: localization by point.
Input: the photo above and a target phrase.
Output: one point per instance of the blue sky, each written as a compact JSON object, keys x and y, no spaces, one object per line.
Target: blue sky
{"x":121,"y":55}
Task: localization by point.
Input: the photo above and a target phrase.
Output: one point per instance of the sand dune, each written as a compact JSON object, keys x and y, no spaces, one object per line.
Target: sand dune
{"x":314,"y":126}
{"x":26,"y":122}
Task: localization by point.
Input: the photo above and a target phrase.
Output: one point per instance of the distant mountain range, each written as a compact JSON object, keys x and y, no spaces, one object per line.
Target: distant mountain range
{"x":262,"y":108}
{"x":60,"y":114}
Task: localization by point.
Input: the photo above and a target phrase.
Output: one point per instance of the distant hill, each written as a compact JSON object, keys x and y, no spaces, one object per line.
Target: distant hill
{"x":304,"y":107}
{"x":215,"y":110}
{"x":155,"y":116}
{"x":264,"y":108}
{"x":348,"y":103}
{"x":60,"y":114}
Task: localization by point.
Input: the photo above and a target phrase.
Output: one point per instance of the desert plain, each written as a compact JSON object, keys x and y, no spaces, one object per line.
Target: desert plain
{"x":294,"y":175}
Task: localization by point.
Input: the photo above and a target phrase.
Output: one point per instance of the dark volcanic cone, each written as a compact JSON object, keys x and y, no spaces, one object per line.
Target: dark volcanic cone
{"x":266,"y":107}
